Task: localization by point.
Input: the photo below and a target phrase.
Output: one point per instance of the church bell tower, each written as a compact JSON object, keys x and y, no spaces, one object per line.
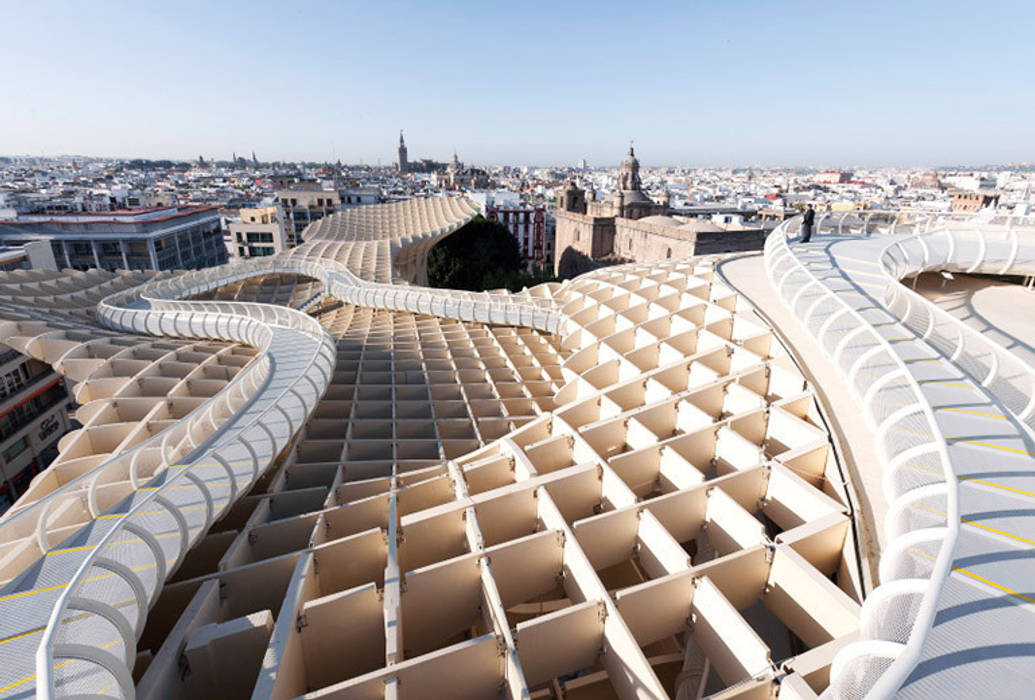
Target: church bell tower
{"x":402,"y":165}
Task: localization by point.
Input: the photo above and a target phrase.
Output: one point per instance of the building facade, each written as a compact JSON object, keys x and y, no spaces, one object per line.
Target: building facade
{"x":359,"y":196}
{"x":832,"y":177}
{"x":33,"y":416}
{"x":259,"y":232}
{"x":531,"y":225}
{"x":527,"y":223}
{"x":458,"y":176}
{"x":974,"y":200}
{"x":304,"y":206}
{"x":34,"y":255}
{"x":629,"y":226}
{"x":586,"y":227}
{"x":164,"y":238}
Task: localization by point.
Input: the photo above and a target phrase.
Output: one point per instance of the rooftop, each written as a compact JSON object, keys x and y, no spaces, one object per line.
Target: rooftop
{"x":635,"y":483}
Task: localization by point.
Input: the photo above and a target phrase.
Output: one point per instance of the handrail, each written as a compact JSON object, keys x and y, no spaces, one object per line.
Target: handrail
{"x":904,"y":655}
{"x":1020,"y":402}
{"x":16,"y":518}
{"x":113,"y":313}
{"x":146,"y":308}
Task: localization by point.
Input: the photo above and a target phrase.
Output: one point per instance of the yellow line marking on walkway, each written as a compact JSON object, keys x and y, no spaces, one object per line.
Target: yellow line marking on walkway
{"x":70,"y":549}
{"x":129,"y":541}
{"x":1004,"y":533}
{"x":56,"y":667}
{"x":999,"y":532}
{"x":973,"y":413}
{"x":974,"y":576}
{"x":944,"y":383}
{"x":921,"y":359}
{"x":182,"y":486}
{"x":983,"y":482}
{"x":74,"y":618}
{"x":23,"y":634}
{"x":982,"y":579}
{"x":998,"y":486}
{"x":990,"y":444}
{"x":34,"y":591}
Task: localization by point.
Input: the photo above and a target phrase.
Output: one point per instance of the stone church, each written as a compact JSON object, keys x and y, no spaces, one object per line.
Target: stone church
{"x":629,"y":226}
{"x":586,"y":227}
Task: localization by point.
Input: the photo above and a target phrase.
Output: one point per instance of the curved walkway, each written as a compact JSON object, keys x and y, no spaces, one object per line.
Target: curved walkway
{"x":84,"y":601}
{"x":996,"y":309}
{"x":78,"y":610}
{"x":974,"y":627}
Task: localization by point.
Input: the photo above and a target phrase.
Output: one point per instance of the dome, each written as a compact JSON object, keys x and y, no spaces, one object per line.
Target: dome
{"x":701,"y":226}
{"x":659,"y":220}
{"x":629,"y":173}
{"x":631,"y":196}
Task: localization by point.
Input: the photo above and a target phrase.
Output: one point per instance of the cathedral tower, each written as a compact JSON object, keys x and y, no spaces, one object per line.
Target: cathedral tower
{"x":402,"y":165}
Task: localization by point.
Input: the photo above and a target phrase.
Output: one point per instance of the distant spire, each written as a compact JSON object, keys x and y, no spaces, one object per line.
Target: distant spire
{"x":254,"y":159}
{"x":401,"y":141}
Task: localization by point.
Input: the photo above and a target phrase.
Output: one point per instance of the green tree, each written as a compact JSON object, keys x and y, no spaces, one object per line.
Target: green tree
{"x":481,"y":255}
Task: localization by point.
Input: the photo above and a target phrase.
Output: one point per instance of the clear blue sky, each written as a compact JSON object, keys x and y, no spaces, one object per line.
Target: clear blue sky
{"x":694,"y":83}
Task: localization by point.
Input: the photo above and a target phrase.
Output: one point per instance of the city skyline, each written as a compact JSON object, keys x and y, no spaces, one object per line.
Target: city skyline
{"x":742,"y":84}
{"x":526,"y":351}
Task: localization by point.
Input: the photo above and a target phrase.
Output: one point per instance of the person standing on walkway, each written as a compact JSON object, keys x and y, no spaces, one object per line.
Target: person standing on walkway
{"x":806,"y":224}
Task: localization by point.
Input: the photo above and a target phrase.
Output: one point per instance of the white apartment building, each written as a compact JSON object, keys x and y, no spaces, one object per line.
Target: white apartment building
{"x":257,"y":232}
{"x":304,"y":206}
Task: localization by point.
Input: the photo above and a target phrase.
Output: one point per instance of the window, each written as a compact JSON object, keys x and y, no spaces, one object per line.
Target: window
{"x":16,"y":448}
{"x":669,"y":253}
{"x":11,"y":382}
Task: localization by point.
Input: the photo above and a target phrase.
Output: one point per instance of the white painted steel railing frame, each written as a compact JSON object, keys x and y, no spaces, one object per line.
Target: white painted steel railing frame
{"x":112,"y":313}
{"x":162,"y":298}
{"x":18,"y":521}
{"x":533,"y":312}
{"x":904,"y":656}
{"x":1000,"y":356}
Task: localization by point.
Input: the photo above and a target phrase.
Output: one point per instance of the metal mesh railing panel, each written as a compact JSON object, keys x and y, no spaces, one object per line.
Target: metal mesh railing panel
{"x":908,"y":438}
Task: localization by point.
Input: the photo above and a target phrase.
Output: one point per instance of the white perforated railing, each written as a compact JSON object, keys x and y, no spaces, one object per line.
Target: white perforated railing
{"x":1006,"y":376}
{"x":898,"y":614}
{"x":340,"y":282}
{"x":90,"y":636}
{"x":953,"y":243}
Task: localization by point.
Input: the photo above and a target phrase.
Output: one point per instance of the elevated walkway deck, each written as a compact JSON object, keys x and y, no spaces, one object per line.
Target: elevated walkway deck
{"x":982,"y":635}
